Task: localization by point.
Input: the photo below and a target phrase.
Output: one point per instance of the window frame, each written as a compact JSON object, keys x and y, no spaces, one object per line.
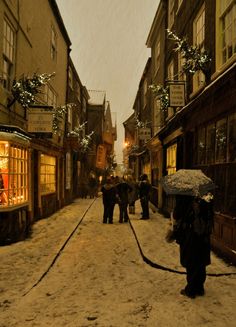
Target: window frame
{"x":53,"y":43}
{"x":199,"y":77}
{"x":8,"y":53}
{"x":171,"y":158}
{"x":225,"y":11}
{"x":50,"y":95}
{"x":227,"y":145}
{"x":14,"y":169}
{"x":48,"y":170}
{"x":181,"y":74}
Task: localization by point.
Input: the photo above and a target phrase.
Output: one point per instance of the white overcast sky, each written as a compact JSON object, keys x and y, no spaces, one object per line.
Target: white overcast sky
{"x":109,"y":49}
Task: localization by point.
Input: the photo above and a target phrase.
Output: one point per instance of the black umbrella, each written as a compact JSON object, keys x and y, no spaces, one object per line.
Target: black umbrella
{"x":187,"y":182}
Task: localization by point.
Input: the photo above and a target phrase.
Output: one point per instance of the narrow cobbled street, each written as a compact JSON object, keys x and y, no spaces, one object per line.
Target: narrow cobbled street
{"x":75,"y":271}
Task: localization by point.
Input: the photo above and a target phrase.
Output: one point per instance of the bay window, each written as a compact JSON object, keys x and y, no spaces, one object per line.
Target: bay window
{"x":14,"y":187}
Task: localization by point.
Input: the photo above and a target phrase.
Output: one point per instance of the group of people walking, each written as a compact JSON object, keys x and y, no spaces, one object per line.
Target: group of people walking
{"x":192,"y":227}
{"x":125,"y":192}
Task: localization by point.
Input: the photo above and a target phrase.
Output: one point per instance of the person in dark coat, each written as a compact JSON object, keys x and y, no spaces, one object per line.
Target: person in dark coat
{"x":133,"y":195}
{"x":193,"y":219}
{"x":109,"y":195}
{"x":144,"y":195}
{"x":123,"y":189}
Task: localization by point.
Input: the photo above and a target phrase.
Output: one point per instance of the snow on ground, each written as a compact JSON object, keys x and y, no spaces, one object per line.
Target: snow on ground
{"x":100,"y":279}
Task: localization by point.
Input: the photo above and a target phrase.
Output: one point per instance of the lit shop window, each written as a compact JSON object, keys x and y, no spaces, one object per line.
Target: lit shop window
{"x":13,"y":174}
{"x":47,"y":174}
{"x":171,"y":159}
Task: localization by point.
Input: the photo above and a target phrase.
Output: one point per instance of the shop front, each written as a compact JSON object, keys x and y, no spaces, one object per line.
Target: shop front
{"x":172,"y":140}
{"x":47,"y":179}
{"x":155,"y":147}
{"x":210,"y":145}
{"x":14,"y":185}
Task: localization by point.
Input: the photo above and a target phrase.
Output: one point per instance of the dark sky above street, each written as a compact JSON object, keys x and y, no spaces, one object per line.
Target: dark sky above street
{"x":109,"y":49}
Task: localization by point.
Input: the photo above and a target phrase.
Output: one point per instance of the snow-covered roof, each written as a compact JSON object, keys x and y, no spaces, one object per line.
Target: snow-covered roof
{"x":96,"y":97}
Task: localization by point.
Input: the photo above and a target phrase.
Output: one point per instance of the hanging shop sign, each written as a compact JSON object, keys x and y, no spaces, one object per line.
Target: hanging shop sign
{"x":101,"y":157}
{"x":144,"y":134}
{"x":177,"y":94}
{"x":40,"y":120}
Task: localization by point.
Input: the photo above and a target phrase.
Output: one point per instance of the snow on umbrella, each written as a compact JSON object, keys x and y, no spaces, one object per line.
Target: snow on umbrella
{"x":187,"y":182}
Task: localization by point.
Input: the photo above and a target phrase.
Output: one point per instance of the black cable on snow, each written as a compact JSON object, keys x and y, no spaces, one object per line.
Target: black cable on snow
{"x":145,"y":259}
{"x":158,"y":266}
{"x":61,"y":249}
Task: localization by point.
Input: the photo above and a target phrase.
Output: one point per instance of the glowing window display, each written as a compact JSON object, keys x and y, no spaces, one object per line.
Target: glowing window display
{"x":47,"y":174}
{"x":13,"y":174}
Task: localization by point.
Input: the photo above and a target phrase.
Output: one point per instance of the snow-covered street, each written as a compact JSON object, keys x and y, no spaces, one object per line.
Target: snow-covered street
{"x":99,"y":278}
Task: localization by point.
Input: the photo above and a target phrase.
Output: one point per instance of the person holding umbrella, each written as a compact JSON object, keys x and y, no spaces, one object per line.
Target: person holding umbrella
{"x":193,"y":223}
{"x":193,"y":218}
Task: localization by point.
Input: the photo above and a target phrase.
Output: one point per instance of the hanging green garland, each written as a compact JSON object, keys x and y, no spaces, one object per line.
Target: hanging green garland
{"x":195,"y":58}
{"x":84,"y":141}
{"x":162,"y":93}
{"x":25,"y":89}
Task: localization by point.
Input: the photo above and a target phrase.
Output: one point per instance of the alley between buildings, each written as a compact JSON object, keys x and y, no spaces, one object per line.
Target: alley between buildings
{"x":96,"y":276}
